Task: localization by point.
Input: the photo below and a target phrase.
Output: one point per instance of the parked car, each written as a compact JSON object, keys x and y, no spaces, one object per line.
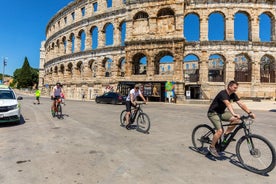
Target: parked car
{"x":9,"y":105}
{"x":111,"y":97}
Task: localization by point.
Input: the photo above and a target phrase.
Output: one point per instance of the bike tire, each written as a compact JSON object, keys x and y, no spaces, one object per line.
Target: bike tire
{"x":202,"y":136}
{"x":59,"y":111}
{"x":143,"y":123}
{"x":122,"y":118}
{"x":260,"y":158}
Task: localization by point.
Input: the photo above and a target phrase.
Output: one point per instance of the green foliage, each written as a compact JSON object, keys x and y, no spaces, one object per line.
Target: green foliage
{"x":25,"y":77}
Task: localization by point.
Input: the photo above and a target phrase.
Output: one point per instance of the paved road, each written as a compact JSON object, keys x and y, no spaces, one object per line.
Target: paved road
{"x":88,"y":146}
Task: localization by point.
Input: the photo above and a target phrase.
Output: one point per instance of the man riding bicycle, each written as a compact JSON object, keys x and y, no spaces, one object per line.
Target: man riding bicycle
{"x":130,"y":101}
{"x":217,"y":113}
{"x":56,"y":94}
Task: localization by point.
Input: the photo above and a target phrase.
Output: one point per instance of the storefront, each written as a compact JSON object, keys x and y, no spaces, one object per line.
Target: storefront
{"x":152,"y":91}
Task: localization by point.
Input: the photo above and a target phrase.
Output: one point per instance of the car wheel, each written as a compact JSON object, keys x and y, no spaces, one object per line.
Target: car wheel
{"x":97,"y":101}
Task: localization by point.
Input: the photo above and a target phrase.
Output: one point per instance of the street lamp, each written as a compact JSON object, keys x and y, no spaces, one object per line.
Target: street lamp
{"x":4,"y":64}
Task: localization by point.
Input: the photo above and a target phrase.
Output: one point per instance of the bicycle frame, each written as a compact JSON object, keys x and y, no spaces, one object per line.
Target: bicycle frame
{"x":241,"y":125}
{"x":134,"y":112}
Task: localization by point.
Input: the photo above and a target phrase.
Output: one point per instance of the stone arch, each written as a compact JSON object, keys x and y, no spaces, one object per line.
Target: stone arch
{"x":122,"y":29}
{"x":191,"y":67}
{"x":246,"y":24}
{"x":72,"y":42}
{"x":266,"y":17}
{"x":268,"y":69}
{"x":122,"y":66}
{"x":166,"y":21}
{"x":69,"y":69}
{"x":81,"y":39}
{"x":139,"y":64}
{"x":56,"y":69}
{"x":62,"y":68}
{"x":108,"y":30}
{"x":93,"y":67}
{"x":157,"y":59}
{"x":191,"y":27}
{"x":107,"y":65}
{"x":216,"y":26}
{"x":216,"y":68}
{"x":140,"y":23}
{"x":94,"y":31}
{"x":243,"y":68}
{"x":165,"y":12}
{"x":64,"y":42}
{"x":141,"y":15}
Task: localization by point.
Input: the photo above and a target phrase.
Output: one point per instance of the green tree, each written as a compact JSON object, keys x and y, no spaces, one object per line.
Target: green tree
{"x":25,"y":76}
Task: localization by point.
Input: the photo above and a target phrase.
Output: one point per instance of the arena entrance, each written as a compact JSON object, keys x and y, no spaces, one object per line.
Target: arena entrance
{"x":152,"y":91}
{"x":193,"y":92}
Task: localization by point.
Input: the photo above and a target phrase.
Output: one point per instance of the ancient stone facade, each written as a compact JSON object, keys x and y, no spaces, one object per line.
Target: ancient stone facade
{"x":77,"y":53}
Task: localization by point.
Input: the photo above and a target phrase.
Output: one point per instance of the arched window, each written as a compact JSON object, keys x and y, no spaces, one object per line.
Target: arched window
{"x":108,"y":67}
{"x":242,"y":69}
{"x":165,"y":12}
{"x":122,"y":67}
{"x":82,"y":37}
{"x":265,"y":28}
{"x":216,"y":69}
{"x":73,"y":43}
{"x":123,"y":33}
{"x":191,"y":27}
{"x":139,"y":65}
{"x":166,"y":65}
{"x":241,"y":27}
{"x":109,"y":29}
{"x":216,"y":27}
{"x":64,"y":41}
{"x":141,"y":15}
{"x":94,"y":36}
{"x":191,"y":68}
{"x":268,"y":70}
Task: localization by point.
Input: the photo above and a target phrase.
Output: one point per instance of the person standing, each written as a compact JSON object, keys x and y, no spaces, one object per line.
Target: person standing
{"x":37,"y":96}
{"x":217,"y":113}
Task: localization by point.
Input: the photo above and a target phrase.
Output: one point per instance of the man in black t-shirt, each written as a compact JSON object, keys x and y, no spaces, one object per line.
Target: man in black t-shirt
{"x":217,"y":113}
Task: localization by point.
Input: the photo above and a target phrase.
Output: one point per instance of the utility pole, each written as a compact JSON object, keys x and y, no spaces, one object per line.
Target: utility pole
{"x":4,"y":64}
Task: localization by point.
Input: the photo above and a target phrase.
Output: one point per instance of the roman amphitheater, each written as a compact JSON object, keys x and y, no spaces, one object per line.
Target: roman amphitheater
{"x":95,"y":46}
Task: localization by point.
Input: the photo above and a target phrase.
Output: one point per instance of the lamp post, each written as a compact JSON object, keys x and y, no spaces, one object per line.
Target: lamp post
{"x":4,"y":64}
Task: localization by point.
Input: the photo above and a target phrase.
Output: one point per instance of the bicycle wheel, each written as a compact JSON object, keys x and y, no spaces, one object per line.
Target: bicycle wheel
{"x":59,"y":111}
{"x":202,"y":136}
{"x":122,"y":118}
{"x":143,"y":123}
{"x":256,"y":154}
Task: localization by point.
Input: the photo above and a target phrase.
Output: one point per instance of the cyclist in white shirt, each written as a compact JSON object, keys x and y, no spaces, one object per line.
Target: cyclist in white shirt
{"x":56,"y":94}
{"x":130,"y":101}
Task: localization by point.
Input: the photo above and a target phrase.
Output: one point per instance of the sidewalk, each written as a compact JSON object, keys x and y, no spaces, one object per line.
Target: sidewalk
{"x":266,"y":105}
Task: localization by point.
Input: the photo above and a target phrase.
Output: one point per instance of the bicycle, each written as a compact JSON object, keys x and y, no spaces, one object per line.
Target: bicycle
{"x":142,"y":120}
{"x":58,"y":109}
{"x":254,"y":152}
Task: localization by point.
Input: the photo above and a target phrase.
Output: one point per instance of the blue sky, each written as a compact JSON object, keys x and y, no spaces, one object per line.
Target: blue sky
{"x":22,"y":28}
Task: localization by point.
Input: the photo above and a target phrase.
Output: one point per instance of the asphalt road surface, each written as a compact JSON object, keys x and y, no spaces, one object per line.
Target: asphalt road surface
{"x":89,"y":146}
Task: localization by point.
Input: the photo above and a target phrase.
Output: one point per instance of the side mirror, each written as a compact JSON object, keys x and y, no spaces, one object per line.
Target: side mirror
{"x":20,"y":98}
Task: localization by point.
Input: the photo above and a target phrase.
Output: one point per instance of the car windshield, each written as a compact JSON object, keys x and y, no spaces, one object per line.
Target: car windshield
{"x":7,"y":95}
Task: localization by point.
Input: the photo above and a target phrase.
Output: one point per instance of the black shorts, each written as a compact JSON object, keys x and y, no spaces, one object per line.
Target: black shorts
{"x":57,"y":97}
{"x":128,"y":106}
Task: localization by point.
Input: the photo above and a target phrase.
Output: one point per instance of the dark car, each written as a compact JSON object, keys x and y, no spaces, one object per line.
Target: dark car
{"x":111,"y":97}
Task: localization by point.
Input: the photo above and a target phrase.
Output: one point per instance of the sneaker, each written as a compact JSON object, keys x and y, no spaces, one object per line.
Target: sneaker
{"x":213,"y":151}
{"x":128,"y":127}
